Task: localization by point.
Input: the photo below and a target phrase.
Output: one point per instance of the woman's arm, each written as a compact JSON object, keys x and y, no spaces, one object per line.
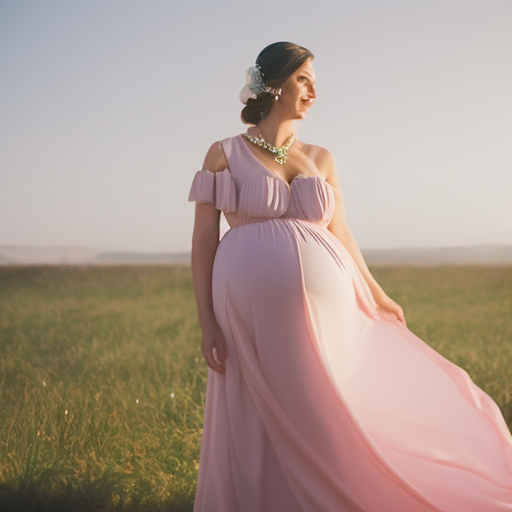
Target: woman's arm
{"x":205,"y":240}
{"x":339,"y":227}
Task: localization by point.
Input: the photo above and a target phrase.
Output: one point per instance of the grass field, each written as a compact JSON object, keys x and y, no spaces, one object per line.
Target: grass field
{"x":102,"y":381}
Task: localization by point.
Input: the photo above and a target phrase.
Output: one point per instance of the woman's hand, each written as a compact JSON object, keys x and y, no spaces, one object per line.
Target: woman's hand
{"x":389,"y":306}
{"x":213,"y":347}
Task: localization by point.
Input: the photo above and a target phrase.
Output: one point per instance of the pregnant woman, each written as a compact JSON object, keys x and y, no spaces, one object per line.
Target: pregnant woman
{"x":319,"y":398}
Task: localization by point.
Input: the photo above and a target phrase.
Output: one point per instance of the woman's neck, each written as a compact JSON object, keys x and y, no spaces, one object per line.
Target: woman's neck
{"x":274,"y":131}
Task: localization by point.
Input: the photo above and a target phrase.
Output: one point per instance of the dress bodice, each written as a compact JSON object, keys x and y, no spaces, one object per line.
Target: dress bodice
{"x":249,"y":192}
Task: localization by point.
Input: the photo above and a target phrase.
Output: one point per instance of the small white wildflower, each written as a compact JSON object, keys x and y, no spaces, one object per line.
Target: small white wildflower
{"x":44,"y":383}
{"x":66,"y":412}
{"x":137,"y":401}
{"x":172,"y":395}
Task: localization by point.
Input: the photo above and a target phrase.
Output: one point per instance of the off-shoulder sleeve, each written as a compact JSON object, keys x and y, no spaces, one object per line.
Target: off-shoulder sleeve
{"x":217,"y":188}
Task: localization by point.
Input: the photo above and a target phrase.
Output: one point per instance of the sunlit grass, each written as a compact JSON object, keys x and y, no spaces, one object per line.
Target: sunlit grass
{"x":102,"y":388}
{"x":102,"y":381}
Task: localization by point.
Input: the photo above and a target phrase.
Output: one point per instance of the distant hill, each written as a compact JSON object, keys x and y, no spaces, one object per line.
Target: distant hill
{"x":4,"y":260}
{"x":427,"y":256}
{"x":424,"y":256}
{"x":133,"y":258}
{"x":57,"y":255}
{"x":53,"y":255}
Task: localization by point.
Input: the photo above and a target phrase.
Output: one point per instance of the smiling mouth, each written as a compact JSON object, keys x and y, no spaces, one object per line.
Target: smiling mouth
{"x":308,"y":102}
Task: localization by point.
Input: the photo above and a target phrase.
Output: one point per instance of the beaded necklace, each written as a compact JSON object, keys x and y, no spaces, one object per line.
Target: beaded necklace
{"x":279,"y":151}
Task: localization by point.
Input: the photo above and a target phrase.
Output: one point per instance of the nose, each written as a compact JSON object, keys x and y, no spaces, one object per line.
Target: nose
{"x":312,"y":90}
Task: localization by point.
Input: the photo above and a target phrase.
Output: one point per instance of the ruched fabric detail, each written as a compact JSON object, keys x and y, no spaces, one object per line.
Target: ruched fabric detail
{"x":265,"y":196}
{"x":313,"y":199}
{"x":217,"y":188}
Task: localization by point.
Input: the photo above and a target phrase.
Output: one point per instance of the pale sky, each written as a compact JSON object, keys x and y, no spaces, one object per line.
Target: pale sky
{"x":107,"y":108}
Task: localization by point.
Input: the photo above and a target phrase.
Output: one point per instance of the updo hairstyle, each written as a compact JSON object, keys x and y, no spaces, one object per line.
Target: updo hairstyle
{"x":277,"y":62}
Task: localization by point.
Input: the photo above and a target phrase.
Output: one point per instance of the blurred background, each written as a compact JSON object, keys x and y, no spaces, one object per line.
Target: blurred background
{"x":108,"y":107}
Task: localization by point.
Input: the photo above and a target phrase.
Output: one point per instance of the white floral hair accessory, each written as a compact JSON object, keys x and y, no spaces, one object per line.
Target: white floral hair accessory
{"x":254,"y":84}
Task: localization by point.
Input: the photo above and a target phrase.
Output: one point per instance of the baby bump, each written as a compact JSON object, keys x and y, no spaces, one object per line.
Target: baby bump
{"x":285,"y":281}
{"x":257,"y":261}
{"x":278,"y":259}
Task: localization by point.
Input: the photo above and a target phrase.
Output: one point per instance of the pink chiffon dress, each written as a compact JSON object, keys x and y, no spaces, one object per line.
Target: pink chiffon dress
{"x":325,"y":405}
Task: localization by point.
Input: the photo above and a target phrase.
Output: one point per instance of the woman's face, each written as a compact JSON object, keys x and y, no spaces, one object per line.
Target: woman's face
{"x":299,"y":91}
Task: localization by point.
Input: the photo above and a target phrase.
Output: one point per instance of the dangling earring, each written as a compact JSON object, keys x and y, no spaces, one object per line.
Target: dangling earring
{"x":277,"y":94}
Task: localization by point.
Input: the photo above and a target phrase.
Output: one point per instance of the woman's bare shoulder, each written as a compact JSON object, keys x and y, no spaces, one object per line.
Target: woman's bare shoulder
{"x":215,"y":159}
{"x":322,"y":157}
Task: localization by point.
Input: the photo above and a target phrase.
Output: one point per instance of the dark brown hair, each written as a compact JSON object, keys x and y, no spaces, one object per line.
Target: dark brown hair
{"x":277,"y":62}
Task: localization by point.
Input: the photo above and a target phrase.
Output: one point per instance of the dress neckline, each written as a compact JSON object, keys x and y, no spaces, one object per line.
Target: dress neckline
{"x":289,"y":184}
